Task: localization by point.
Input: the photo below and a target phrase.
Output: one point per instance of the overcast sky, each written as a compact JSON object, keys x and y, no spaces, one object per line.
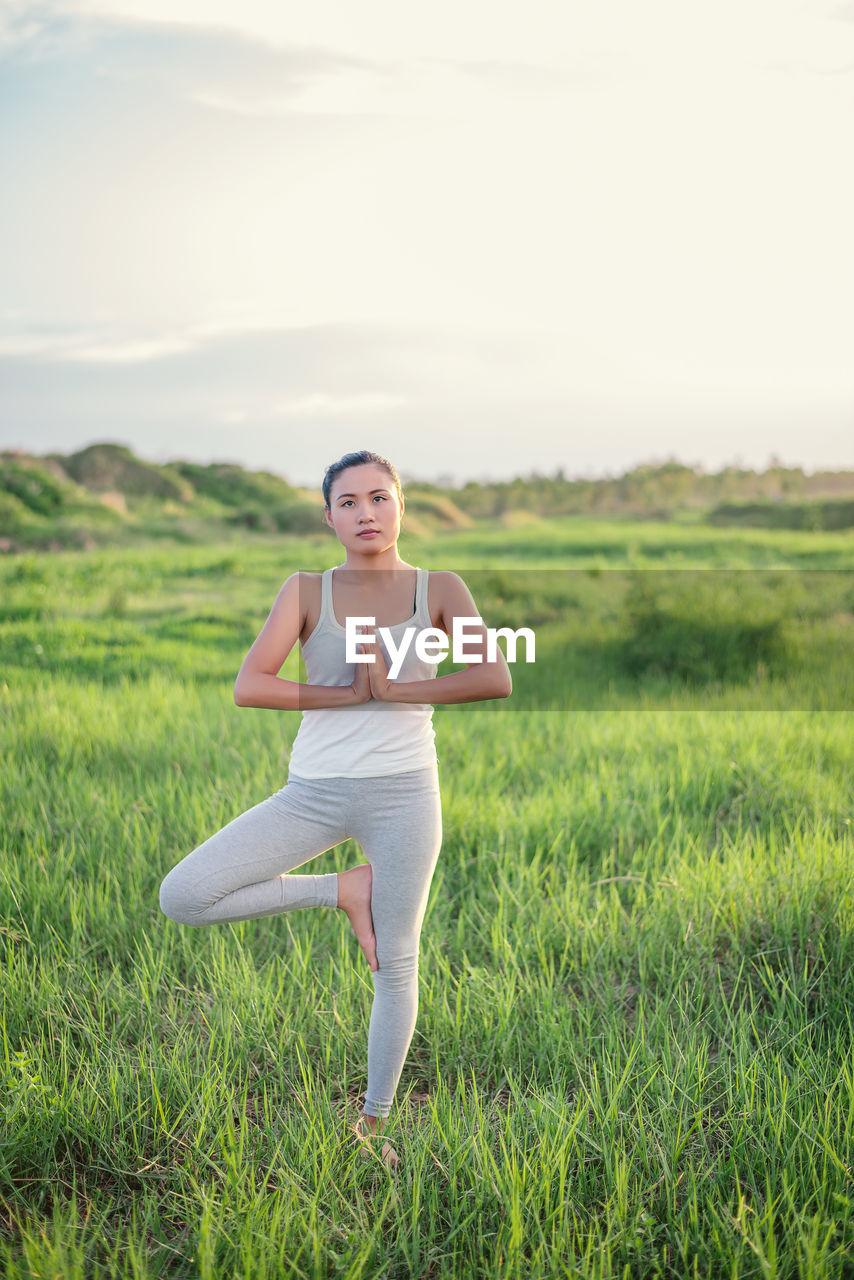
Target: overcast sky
{"x":481,"y":237}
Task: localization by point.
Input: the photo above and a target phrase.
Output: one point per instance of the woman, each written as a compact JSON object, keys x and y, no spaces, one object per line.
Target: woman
{"x":363,"y":764}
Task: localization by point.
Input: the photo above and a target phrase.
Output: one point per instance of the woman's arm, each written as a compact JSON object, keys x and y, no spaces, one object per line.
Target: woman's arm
{"x":258,"y":685}
{"x":479,"y":682}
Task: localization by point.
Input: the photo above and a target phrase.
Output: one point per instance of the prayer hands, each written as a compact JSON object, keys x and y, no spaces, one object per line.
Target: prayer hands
{"x":372,"y":679}
{"x":361,"y":685}
{"x":382,"y":688}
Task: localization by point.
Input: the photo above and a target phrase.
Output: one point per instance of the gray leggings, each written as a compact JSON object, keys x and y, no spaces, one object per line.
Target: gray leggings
{"x":241,"y":873}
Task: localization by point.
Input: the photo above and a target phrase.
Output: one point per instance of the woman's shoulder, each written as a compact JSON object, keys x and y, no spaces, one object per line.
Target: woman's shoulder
{"x":448,"y":596}
{"x":305,"y":584}
{"x":300,"y":577}
{"x":445,"y":579}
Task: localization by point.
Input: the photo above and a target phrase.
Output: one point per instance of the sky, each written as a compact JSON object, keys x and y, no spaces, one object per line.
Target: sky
{"x":480,"y":238}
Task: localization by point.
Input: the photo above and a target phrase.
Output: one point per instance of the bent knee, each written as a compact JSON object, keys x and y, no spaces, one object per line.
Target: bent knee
{"x":177,"y":903}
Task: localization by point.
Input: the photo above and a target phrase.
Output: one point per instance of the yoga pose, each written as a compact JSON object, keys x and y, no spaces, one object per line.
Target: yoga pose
{"x":363,"y":764}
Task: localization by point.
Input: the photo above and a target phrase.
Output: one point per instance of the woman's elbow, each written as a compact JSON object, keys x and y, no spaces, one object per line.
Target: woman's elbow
{"x":240,"y":693}
{"x":503,"y":686}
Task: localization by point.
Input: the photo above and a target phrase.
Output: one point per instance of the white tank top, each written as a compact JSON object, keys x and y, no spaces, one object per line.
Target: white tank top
{"x":369,"y":739}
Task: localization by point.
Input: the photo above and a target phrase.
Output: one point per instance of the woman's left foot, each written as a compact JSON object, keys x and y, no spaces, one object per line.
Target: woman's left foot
{"x":354,"y":898}
{"x":365,"y":1133}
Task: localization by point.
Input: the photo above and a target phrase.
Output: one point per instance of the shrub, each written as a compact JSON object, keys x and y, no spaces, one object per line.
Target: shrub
{"x":33,"y":487}
{"x":300,"y":515}
{"x":14,"y":516}
{"x":113,"y":467}
{"x":232,"y":486}
{"x":434,"y":510}
{"x":700,"y":627}
{"x":829,"y":514}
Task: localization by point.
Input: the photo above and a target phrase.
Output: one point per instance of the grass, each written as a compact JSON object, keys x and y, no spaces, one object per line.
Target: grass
{"x":633,"y":1054}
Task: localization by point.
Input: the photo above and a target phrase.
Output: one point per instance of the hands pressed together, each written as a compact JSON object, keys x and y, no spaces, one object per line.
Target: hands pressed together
{"x":372,"y":678}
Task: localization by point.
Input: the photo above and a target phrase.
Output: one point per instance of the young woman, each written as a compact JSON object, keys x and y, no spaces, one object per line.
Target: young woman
{"x":363,"y":763}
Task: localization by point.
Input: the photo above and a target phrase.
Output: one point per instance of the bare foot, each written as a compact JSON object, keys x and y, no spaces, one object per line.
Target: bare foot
{"x":365,"y":1129}
{"x":354,"y":898}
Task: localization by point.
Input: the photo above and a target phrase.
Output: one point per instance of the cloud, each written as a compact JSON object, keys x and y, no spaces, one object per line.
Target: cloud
{"x":322,"y":404}
{"x":462,"y":218}
{"x":220,"y":69}
{"x":659,"y":32}
{"x":86,"y":348}
{"x":35,"y":346}
{"x":128,"y":352}
{"x":435,"y":400}
{"x":23,"y":24}
{"x":207,"y":65}
{"x":253,"y":65}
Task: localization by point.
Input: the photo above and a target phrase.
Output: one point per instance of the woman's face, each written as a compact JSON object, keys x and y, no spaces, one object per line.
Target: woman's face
{"x":364,"y":509}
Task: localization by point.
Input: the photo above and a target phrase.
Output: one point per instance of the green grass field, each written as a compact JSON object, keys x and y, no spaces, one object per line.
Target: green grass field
{"x":633,"y":1054}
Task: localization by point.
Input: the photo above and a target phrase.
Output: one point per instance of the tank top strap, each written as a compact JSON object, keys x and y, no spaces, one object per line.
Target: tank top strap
{"x":422,"y":611}
{"x":326,"y":614}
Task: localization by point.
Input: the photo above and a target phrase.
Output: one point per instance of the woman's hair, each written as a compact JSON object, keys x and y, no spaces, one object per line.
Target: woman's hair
{"x":358,"y":459}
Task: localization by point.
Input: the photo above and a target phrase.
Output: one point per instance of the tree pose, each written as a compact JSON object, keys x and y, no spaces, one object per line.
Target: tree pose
{"x":363,"y":763}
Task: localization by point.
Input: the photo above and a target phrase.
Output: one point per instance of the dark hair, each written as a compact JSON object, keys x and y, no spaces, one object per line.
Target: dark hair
{"x":358,"y":459}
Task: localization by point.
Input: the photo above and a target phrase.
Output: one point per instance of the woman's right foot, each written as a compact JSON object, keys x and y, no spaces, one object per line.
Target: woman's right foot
{"x":365,"y":1131}
{"x":354,"y":899}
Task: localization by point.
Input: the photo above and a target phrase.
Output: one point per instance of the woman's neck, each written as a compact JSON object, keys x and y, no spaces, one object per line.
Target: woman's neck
{"x":385,"y":560}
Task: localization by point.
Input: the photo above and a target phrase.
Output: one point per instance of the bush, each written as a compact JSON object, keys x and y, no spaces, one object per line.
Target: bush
{"x":829,"y":514}
{"x":14,"y":516}
{"x":102,"y":467}
{"x":232,"y":486}
{"x":34,"y":488}
{"x":704,"y":626}
{"x":435,"y":511}
{"x":300,"y":515}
